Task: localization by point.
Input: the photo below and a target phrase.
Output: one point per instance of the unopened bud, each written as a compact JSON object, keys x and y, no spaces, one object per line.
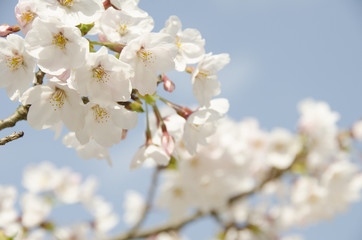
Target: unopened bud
{"x":168,"y":85}
{"x":189,"y":69}
{"x":184,"y":112}
{"x":168,"y":143}
{"x":107,"y":4}
{"x":5,"y":29}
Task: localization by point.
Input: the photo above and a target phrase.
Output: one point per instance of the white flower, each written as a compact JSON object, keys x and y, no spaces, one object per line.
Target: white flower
{"x":282,"y":149}
{"x":17,"y":67}
{"x":130,"y":7}
{"x":175,"y":195}
{"x":202,"y":124}
{"x":357,"y":130}
{"x":169,"y":236}
{"x":309,"y":199}
{"x":120,"y":27}
{"x":25,"y":13}
{"x":156,"y":153}
{"x":8,"y":214}
{"x":189,"y":43}
{"x":105,"y":124}
{"x":52,"y":103}
{"x":86,"y":151}
{"x":41,"y":178}
{"x":204,"y":77}
{"x":68,"y":189}
{"x":104,"y":216}
{"x":134,"y":206}
{"x":56,"y":46}
{"x":72,"y":12}
{"x":103,"y":78}
{"x":318,"y":122}
{"x":35,"y":210}
{"x":339,"y":177}
{"x":149,"y":54}
{"x":78,"y":232}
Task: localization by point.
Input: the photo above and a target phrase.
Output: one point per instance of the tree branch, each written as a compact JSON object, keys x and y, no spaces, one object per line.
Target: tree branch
{"x":163,"y":228}
{"x":150,"y":196}
{"x":11,"y":137}
{"x":20,"y":114}
{"x":273,"y":174}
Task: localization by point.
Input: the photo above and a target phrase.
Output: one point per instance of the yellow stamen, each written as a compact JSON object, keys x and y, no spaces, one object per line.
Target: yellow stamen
{"x":100,"y":114}
{"x":57,"y":99}
{"x":100,"y":74}
{"x":145,"y":56}
{"x":14,"y":62}
{"x":178,"y":42}
{"x":28,"y":16}
{"x":202,"y":75}
{"x":66,"y":3}
{"x":123,"y":29}
{"x":59,"y":40}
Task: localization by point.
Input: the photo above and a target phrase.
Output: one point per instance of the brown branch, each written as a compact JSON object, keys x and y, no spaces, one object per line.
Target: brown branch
{"x":20,"y":114}
{"x":11,"y":137}
{"x":163,"y":228}
{"x":150,"y":196}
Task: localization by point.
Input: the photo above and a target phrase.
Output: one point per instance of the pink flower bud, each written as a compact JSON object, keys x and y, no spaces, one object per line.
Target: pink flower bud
{"x":5,"y":29}
{"x":168,"y":85}
{"x":107,"y":4}
{"x":168,"y":143}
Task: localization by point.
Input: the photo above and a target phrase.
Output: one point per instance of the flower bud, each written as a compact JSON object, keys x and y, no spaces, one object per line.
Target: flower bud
{"x":168,"y":143}
{"x":168,"y":85}
{"x":5,"y":29}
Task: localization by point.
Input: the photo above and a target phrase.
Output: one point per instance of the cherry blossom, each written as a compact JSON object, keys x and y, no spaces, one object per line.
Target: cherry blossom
{"x":149,"y":54}
{"x":17,"y":67}
{"x":53,"y":103}
{"x":56,"y":46}
{"x":189,"y":43}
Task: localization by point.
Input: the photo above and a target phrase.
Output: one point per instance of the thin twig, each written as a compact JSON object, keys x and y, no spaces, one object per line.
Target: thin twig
{"x":163,"y":228}
{"x":20,"y":114}
{"x":149,"y":201}
{"x":11,"y":137}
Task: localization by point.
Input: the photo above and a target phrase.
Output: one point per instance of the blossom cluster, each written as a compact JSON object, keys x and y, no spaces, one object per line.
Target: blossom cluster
{"x":297,"y":179}
{"x":47,"y":189}
{"x":97,"y":93}
{"x":257,"y":184}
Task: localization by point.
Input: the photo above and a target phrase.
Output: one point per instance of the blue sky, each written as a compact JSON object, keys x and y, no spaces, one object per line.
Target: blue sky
{"x":282,"y":51}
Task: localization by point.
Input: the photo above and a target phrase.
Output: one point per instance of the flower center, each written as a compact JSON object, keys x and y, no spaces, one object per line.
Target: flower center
{"x":27,"y":16}
{"x":14,"y":62}
{"x":178,"y":42}
{"x":59,"y":40}
{"x":57,"y":99}
{"x":202,"y":75}
{"x":145,"y":56}
{"x":100,"y":114}
{"x":66,"y":3}
{"x":100,"y":74}
{"x":123,"y":29}
{"x":177,"y":192}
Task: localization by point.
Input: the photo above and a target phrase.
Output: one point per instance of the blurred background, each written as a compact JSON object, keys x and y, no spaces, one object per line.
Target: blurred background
{"x":282,"y":51}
